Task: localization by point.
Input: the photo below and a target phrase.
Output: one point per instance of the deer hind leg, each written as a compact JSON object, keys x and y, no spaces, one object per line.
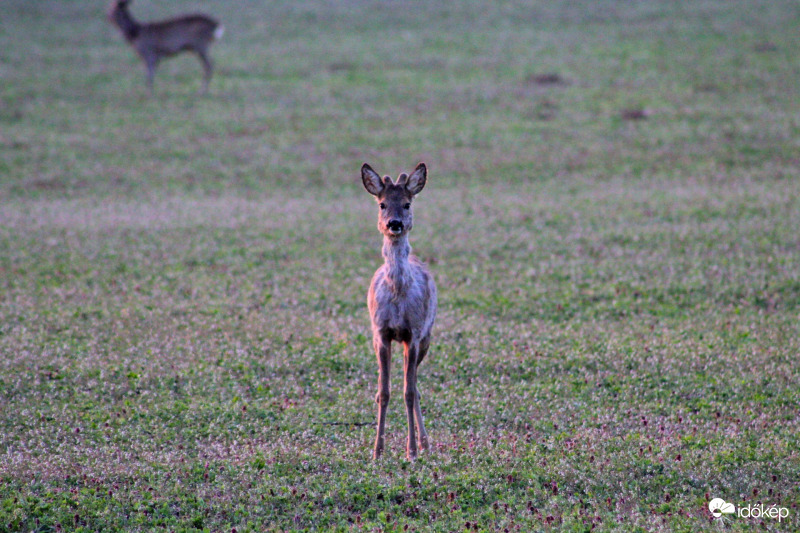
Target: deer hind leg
{"x":423,"y":435}
{"x":208,"y":68}
{"x":383,"y":349}
{"x":411,"y":396}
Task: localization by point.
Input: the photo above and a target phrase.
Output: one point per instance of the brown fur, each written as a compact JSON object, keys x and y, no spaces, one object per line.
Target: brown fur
{"x":401,"y":299}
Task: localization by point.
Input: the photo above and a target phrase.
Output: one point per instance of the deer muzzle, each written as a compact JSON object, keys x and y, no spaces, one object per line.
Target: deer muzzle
{"x":395,"y":227}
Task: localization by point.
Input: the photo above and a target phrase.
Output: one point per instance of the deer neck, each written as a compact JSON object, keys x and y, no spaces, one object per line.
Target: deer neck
{"x":124,"y":21}
{"x":395,"y":254}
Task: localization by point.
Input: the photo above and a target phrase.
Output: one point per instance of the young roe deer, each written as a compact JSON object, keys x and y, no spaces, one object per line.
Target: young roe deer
{"x":401,"y":299}
{"x":156,"y":40}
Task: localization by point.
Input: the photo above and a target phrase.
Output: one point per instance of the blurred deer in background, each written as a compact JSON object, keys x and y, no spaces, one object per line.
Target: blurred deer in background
{"x":156,"y":40}
{"x":401,"y":299}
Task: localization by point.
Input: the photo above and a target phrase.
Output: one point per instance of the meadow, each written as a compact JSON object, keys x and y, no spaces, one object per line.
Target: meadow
{"x":612,"y":217}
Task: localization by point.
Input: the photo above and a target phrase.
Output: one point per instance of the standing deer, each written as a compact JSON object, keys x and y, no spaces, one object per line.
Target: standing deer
{"x":156,"y":40}
{"x":401,"y":299}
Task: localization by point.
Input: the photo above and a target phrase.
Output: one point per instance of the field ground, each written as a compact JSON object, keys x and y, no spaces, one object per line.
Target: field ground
{"x":612,"y":218}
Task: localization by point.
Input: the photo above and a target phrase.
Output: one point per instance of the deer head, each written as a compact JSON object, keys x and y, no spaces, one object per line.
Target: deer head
{"x":117,"y":5}
{"x":395,"y":217}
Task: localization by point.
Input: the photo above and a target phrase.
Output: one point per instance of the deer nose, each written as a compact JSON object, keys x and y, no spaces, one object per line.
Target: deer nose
{"x":395,"y":226}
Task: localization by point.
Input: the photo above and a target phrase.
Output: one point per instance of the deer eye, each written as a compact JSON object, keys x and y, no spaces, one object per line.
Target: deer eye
{"x":383,"y":205}
{"x":407,"y":206}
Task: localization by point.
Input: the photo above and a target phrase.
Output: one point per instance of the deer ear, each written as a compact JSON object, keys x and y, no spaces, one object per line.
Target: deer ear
{"x":372,"y":181}
{"x":416,"y":181}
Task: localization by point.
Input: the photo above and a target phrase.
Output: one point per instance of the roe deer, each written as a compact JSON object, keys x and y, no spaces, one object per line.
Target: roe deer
{"x":401,"y":299}
{"x":156,"y":40}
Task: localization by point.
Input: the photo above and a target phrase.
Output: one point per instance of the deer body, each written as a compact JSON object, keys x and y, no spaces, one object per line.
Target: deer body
{"x":401,"y":300}
{"x":154,"y":41}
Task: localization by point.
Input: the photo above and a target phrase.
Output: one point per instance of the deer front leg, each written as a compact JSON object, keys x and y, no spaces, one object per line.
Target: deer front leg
{"x":150,"y":64}
{"x":410,"y":391}
{"x":423,"y":435}
{"x":383,"y":349}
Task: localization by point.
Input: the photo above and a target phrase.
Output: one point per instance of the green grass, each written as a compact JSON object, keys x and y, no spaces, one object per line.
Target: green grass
{"x":183,"y":329}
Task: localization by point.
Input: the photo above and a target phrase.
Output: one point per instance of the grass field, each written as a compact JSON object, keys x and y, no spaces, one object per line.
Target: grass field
{"x":612,"y":218}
